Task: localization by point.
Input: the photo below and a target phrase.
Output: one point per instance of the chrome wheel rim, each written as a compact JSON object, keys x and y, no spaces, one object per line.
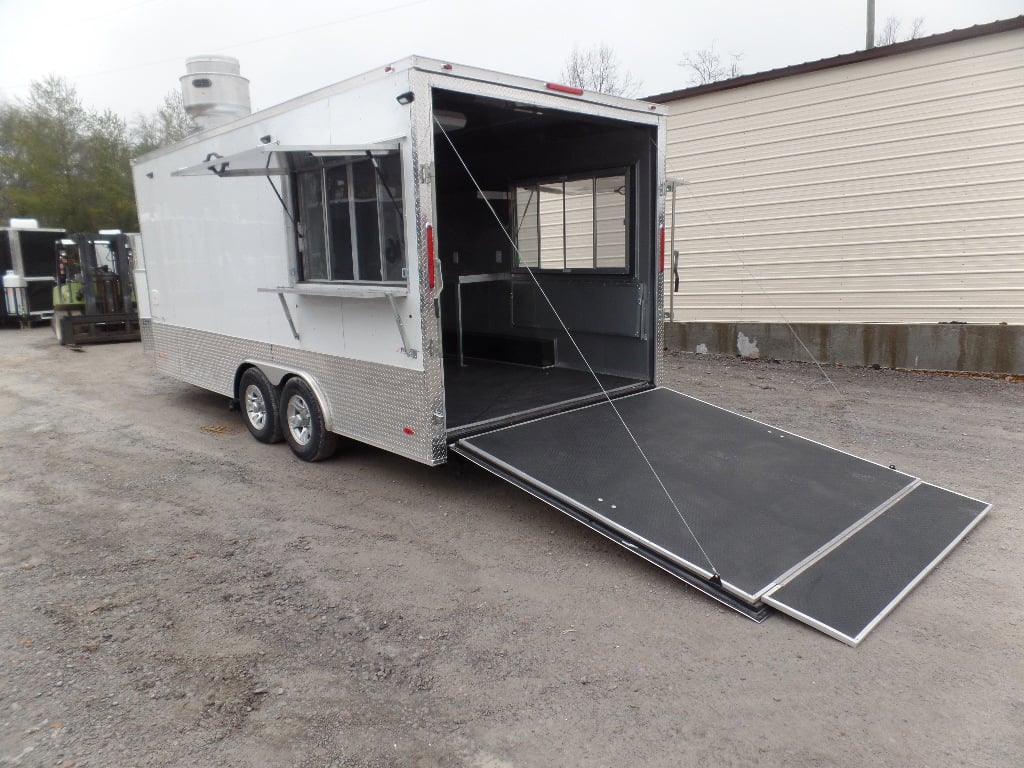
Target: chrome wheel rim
{"x":255,"y":407}
{"x":299,"y":422}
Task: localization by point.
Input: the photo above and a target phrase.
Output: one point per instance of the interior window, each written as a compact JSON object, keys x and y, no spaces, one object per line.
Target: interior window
{"x":350,"y":220}
{"x":574,"y":224}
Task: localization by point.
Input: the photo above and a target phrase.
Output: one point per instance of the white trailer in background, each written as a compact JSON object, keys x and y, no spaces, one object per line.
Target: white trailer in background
{"x":431,"y":257}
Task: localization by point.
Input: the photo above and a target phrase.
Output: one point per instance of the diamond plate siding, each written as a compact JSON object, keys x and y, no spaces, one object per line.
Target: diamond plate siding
{"x":146,"y":333}
{"x":432,"y":394}
{"x":369,"y":402}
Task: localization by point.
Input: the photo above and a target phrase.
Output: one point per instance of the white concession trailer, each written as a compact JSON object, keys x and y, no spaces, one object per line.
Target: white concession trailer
{"x":432,"y":258}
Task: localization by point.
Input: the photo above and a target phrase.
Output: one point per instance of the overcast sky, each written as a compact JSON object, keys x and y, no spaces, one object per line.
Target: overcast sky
{"x":126,"y":54}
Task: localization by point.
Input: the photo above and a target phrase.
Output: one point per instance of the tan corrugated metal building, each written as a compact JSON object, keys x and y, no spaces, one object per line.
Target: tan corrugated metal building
{"x":883,"y":186}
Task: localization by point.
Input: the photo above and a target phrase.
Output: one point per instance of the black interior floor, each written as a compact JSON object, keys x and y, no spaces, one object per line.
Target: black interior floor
{"x":481,"y":391}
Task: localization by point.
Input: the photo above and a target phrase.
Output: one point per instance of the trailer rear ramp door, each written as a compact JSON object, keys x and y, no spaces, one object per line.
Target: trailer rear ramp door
{"x":831,"y":539}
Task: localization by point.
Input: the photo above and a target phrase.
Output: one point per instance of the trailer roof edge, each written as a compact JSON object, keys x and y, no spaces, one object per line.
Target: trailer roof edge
{"x":409,"y":63}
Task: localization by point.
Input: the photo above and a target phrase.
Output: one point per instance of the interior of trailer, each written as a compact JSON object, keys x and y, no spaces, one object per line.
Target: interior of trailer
{"x":559,"y":232}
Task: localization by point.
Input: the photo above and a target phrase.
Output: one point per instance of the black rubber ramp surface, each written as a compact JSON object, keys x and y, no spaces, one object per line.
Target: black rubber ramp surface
{"x":847,"y":592}
{"x":835,"y":539}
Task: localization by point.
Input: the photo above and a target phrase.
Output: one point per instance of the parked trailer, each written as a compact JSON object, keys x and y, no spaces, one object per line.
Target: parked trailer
{"x":27,"y":249}
{"x":432,"y":258}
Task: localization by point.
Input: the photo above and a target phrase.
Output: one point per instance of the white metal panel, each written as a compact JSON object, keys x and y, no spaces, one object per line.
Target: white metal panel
{"x":139,"y":276}
{"x":890,"y":190}
{"x":212,"y":242}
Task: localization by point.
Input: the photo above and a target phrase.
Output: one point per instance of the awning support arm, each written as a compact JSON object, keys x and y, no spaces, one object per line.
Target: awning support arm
{"x":401,"y":328}
{"x":284,"y":205}
{"x":288,"y":314}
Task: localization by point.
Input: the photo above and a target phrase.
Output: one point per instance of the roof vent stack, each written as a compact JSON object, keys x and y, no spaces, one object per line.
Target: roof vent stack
{"x":213,"y":90}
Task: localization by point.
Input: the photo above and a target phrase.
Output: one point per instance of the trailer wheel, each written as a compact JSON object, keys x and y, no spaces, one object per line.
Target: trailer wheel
{"x":260,"y":406}
{"x":303,"y":423}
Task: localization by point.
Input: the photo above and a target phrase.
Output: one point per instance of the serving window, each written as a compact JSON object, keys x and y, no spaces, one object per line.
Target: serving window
{"x":575,"y":223}
{"x":349,"y":223}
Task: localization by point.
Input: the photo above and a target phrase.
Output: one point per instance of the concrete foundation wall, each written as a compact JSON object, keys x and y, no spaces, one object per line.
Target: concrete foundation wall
{"x":939,"y":347}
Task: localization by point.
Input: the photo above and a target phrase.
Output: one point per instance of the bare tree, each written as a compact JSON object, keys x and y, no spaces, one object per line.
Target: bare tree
{"x":706,"y":66}
{"x":891,"y":31}
{"x":598,"y":69}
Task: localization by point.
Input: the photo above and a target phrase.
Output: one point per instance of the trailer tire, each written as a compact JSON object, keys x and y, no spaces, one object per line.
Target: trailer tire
{"x":302,"y":421}
{"x":259,"y":406}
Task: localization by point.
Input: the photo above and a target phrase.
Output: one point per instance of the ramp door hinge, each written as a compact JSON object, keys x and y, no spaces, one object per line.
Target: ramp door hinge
{"x":426,"y":175}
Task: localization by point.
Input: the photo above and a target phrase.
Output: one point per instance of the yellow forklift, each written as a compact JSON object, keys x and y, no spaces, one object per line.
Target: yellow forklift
{"x":94,"y":297}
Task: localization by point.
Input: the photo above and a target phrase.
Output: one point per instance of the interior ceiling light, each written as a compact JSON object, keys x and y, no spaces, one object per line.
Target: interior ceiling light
{"x":449,"y":120}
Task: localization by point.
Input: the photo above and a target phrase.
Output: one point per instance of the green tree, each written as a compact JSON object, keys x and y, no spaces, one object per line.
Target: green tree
{"x":64,"y":165}
{"x":106,"y":171}
{"x":70,"y":167}
{"x":40,"y":152}
{"x":168,"y":124}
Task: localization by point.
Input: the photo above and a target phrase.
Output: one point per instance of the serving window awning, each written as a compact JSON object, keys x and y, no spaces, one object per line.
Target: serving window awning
{"x":260,"y":161}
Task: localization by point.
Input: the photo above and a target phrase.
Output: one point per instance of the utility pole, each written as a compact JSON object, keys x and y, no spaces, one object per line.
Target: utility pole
{"x":869,"y":41}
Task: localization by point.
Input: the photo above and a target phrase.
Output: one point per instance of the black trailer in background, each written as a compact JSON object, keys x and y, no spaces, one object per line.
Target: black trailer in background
{"x":28,"y":251}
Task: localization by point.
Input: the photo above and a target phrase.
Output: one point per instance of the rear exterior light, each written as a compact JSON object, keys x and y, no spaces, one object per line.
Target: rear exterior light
{"x":430,"y":257}
{"x":570,"y":89}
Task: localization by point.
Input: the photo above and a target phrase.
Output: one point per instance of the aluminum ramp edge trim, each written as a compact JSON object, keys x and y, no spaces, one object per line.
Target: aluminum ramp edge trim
{"x":564,"y":499}
{"x":756,"y":613}
{"x":853,"y":642}
{"x":839,"y":540}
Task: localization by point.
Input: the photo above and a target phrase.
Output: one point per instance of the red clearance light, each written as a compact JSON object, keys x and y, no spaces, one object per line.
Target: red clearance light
{"x":430,"y":256}
{"x":661,"y":237}
{"x":446,"y":66}
{"x":571,"y":89}
{"x":409,"y":430}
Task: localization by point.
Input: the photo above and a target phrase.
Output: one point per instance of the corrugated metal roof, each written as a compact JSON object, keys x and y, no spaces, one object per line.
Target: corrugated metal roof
{"x":953,"y":36}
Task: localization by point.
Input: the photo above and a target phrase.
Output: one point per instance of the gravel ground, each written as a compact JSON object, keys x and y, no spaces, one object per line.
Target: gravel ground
{"x":175,"y":593}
